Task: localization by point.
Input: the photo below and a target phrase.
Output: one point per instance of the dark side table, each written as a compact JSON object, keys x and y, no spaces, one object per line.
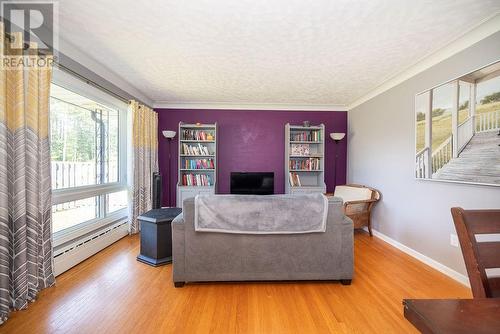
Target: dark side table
{"x":454,"y":316}
{"x":156,"y":236}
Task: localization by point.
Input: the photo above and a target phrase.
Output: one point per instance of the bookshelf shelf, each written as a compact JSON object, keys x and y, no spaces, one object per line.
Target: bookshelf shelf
{"x":304,"y":159}
{"x":307,"y":128}
{"x":197,"y":141}
{"x":198,"y":169}
{"x":306,"y":156}
{"x":197,"y":156}
{"x":305,"y":142}
{"x":197,"y":148}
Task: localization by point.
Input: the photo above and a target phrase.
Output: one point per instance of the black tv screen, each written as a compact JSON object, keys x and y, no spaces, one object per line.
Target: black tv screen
{"x":252,"y":183}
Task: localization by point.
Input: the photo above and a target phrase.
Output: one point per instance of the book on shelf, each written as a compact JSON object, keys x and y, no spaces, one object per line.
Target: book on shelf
{"x":190,"y":134}
{"x":196,"y":180}
{"x":196,"y":149}
{"x":305,"y":164}
{"x":199,"y":164}
{"x":294,"y":179}
{"x":300,"y":149}
{"x":312,"y":135}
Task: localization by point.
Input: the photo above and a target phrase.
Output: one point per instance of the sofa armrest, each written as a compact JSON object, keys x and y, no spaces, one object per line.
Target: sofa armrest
{"x":178,"y":248}
{"x":336,"y":214}
{"x":347,"y":222}
{"x":178,"y":221}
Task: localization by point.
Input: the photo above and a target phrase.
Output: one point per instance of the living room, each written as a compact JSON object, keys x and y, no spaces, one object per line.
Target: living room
{"x":250,"y":167}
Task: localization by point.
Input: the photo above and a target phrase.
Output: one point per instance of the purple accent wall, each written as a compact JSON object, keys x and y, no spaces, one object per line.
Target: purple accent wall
{"x":251,"y":141}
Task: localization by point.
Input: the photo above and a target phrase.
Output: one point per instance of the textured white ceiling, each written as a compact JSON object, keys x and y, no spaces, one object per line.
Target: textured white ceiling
{"x":258,"y":51}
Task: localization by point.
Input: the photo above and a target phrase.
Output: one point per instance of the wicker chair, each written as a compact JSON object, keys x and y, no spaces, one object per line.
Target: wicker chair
{"x":358,"y":203}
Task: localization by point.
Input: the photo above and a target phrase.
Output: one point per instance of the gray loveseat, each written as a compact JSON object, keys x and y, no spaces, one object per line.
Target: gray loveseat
{"x":206,"y":256}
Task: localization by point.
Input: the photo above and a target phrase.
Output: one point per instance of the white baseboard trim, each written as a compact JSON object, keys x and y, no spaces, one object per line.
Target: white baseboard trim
{"x":423,"y":258}
{"x":85,"y":248}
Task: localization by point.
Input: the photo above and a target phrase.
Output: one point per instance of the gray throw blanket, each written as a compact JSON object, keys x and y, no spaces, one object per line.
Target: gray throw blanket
{"x":251,"y":214}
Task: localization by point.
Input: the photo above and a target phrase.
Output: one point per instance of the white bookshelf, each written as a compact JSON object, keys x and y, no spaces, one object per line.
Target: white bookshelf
{"x":305,"y":158}
{"x":197,"y":160}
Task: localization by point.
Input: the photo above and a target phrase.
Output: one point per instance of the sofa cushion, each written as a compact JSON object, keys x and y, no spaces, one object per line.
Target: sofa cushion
{"x":348,"y":193}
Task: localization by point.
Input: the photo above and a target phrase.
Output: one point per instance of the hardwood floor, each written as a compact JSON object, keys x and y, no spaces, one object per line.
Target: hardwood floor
{"x":113,"y":293}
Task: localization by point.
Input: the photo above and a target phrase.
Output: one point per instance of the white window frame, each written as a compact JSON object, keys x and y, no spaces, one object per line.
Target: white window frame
{"x":60,"y":196}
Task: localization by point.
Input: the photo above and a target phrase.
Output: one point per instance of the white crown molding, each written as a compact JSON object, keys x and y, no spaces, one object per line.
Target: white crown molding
{"x":423,"y":258}
{"x":249,"y":106}
{"x":484,"y":29}
{"x":93,"y":65}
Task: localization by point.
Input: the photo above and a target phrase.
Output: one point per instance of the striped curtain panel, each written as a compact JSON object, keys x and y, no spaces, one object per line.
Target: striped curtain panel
{"x":26,"y":264}
{"x":144,"y":160}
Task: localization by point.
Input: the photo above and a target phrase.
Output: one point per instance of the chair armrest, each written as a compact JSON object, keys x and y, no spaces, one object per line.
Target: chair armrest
{"x":366,"y":209}
{"x":363,"y":201}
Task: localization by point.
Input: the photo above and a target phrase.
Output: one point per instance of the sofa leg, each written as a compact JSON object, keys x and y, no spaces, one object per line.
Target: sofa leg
{"x":345,"y":281}
{"x":179,"y":284}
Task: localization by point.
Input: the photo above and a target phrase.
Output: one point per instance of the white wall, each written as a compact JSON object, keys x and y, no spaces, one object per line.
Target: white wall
{"x":381,"y":152}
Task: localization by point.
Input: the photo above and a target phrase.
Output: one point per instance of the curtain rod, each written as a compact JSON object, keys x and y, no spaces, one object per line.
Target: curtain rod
{"x":90,"y":82}
{"x":10,"y":37}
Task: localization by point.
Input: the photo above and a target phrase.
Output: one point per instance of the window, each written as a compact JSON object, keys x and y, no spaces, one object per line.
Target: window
{"x":88,"y":164}
{"x":84,"y":141}
{"x":73,"y":213}
{"x":117,"y":201}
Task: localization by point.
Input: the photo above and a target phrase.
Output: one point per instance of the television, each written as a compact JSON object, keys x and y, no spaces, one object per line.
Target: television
{"x":252,"y":183}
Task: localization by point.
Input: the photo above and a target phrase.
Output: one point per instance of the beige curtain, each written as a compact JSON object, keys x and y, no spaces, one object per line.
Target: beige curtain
{"x":144,"y":160}
{"x":26,"y":264}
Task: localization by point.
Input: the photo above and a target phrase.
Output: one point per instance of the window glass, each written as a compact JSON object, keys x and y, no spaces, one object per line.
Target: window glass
{"x":73,"y":213}
{"x":85,"y":152}
{"x":84,"y":137}
{"x":117,"y":201}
